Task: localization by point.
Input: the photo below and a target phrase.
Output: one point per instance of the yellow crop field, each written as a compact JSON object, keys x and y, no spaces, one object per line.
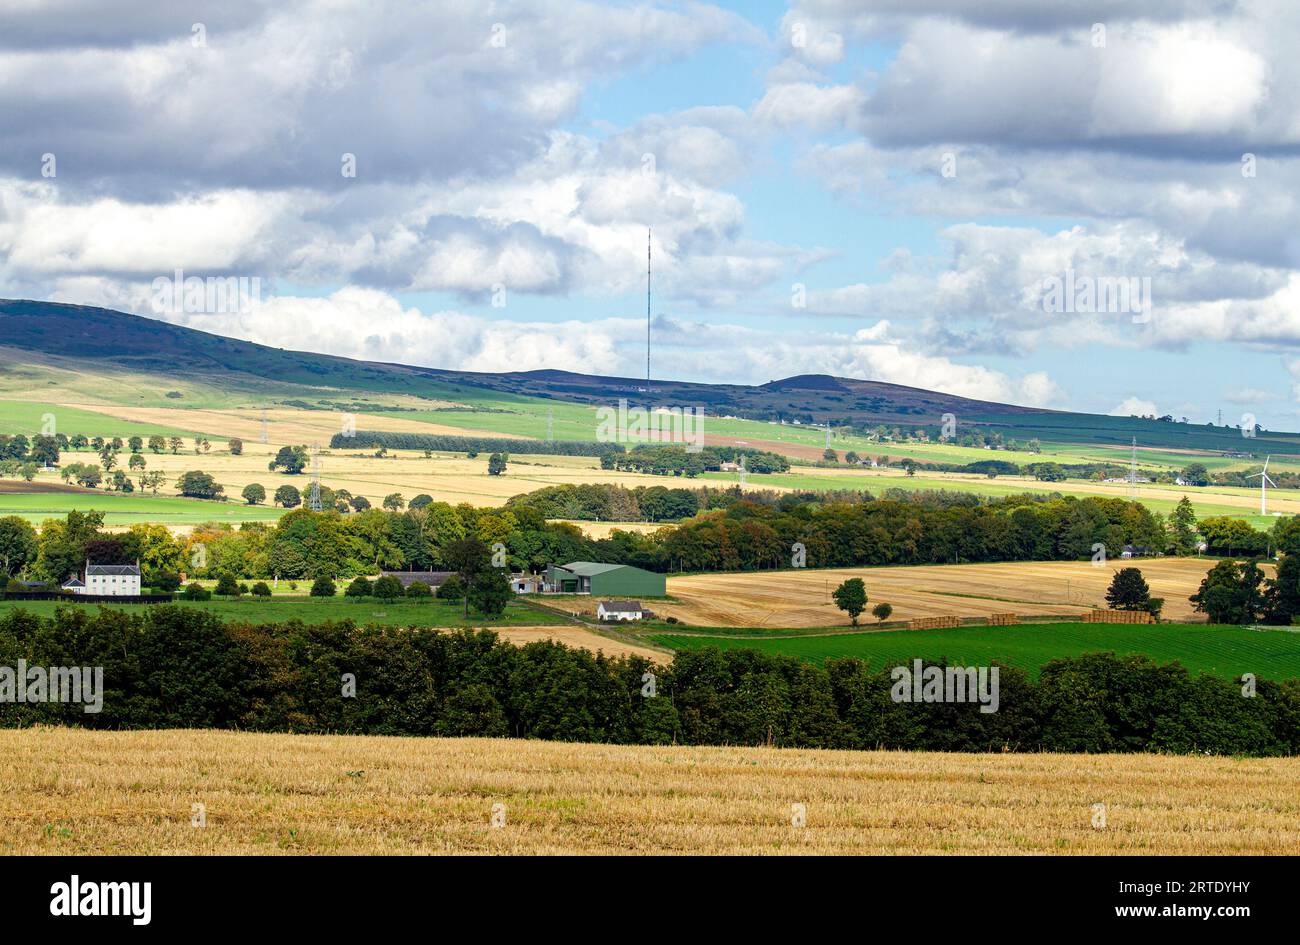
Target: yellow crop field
{"x":876,"y":480}
{"x":802,"y":598}
{"x":446,"y":477}
{"x":66,"y":791}
{"x":579,"y":638}
{"x":605,"y":529}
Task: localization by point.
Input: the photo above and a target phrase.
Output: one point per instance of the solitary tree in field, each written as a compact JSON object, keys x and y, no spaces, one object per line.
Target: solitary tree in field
{"x":1182,"y":527}
{"x":90,"y":476}
{"x":157,"y":444}
{"x":254,"y":493}
{"x":490,"y":592}
{"x":830,"y":456}
{"x":153,"y":481}
{"x":292,"y":458}
{"x":394,"y":502}
{"x":388,"y":588}
{"x":45,"y":450}
{"x":198,"y":485}
{"x":470,"y":559}
{"x":175,"y":443}
{"x":882,"y":611}
{"x":851,"y":597}
{"x":288,"y":497}
{"x":136,"y":461}
{"x":496,"y":464}
{"x":136,"y":444}
{"x":1128,"y":590}
{"x":235,"y":445}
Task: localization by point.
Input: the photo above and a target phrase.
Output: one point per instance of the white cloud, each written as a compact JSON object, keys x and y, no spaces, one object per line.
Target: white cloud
{"x":1135,"y":406}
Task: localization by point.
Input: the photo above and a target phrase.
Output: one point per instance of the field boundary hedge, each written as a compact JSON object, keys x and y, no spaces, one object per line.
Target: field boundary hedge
{"x":177,"y":667}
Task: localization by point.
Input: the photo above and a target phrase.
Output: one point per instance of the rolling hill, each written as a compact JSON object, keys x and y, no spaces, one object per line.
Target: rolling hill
{"x":149,"y":354}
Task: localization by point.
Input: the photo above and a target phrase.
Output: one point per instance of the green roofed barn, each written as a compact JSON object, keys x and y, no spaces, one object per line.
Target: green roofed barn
{"x":605,"y":580}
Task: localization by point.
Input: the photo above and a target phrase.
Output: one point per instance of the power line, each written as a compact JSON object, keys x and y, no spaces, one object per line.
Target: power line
{"x":313,"y":498}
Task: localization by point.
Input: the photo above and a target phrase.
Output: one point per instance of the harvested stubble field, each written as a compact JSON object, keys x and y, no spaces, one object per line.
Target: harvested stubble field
{"x":66,"y":791}
{"x":802,"y":598}
{"x":447,"y":477}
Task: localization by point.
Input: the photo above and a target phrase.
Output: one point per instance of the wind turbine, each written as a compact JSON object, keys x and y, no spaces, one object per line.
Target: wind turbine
{"x":1264,"y":483}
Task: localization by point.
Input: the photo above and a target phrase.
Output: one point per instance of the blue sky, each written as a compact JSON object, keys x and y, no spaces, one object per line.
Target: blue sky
{"x":917,"y":174}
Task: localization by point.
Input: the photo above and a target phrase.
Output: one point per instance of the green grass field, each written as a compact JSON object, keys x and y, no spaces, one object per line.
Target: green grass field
{"x":133,"y":509}
{"x":310,"y":610}
{"x":1269,"y":653}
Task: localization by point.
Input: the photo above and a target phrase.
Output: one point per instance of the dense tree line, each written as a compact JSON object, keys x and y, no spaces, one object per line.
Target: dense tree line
{"x":373,"y":439}
{"x":677,"y":460}
{"x":729,"y":531}
{"x":175,"y":667}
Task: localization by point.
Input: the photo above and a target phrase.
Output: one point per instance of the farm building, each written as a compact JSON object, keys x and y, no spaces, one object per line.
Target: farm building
{"x":619,"y":610}
{"x":525,"y":583}
{"x":1137,"y":551}
{"x":613,"y":580}
{"x":435,"y":579}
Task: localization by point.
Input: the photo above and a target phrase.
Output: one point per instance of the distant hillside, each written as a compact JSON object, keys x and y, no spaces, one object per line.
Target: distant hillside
{"x":145,"y":345}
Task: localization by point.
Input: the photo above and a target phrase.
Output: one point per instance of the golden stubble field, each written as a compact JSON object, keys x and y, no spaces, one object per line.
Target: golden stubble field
{"x":446,"y":477}
{"x":802,"y":598}
{"x":877,"y":480}
{"x":65,"y":791}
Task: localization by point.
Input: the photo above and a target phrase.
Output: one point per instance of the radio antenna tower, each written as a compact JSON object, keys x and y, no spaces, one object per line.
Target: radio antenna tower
{"x":313,"y":497}
{"x":647,"y":310}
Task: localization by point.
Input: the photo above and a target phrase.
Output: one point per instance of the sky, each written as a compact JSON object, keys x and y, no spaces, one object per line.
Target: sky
{"x":1083,"y":206}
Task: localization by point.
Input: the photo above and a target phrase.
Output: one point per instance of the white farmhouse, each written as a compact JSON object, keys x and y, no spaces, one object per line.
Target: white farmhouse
{"x":619,"y":610}
{"x":116,"y":580}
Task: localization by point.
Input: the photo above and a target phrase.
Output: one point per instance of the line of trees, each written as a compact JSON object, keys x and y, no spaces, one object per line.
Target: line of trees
{"x":177,"y":667}
{"x":376,"y":439}
{"x":744,"y":534}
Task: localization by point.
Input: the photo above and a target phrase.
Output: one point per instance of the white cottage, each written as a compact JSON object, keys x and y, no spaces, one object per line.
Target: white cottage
{"x":619,"y":610}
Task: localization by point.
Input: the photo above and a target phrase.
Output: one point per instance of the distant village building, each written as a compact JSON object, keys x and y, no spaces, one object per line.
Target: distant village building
{"x":729,"y":467}
{"x":619,"y":610}
{"x":113,"y":580}
{"x":1137,"y":551}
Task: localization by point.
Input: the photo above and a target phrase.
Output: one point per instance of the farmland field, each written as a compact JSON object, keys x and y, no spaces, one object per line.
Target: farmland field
{"x":69,"y":791}
{"x":399,"y":613}
{"x":801,"y":598}
{"x":446,"y":477}
{"x":1208,"y":501}
{"x":519,"y":624}
{"x":1269,"y":652}
{"x":131,"y":509}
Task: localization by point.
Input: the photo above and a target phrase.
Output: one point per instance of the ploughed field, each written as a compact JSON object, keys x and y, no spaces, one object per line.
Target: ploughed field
{"x":802,"y":598}
{"x":68,"y":791}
